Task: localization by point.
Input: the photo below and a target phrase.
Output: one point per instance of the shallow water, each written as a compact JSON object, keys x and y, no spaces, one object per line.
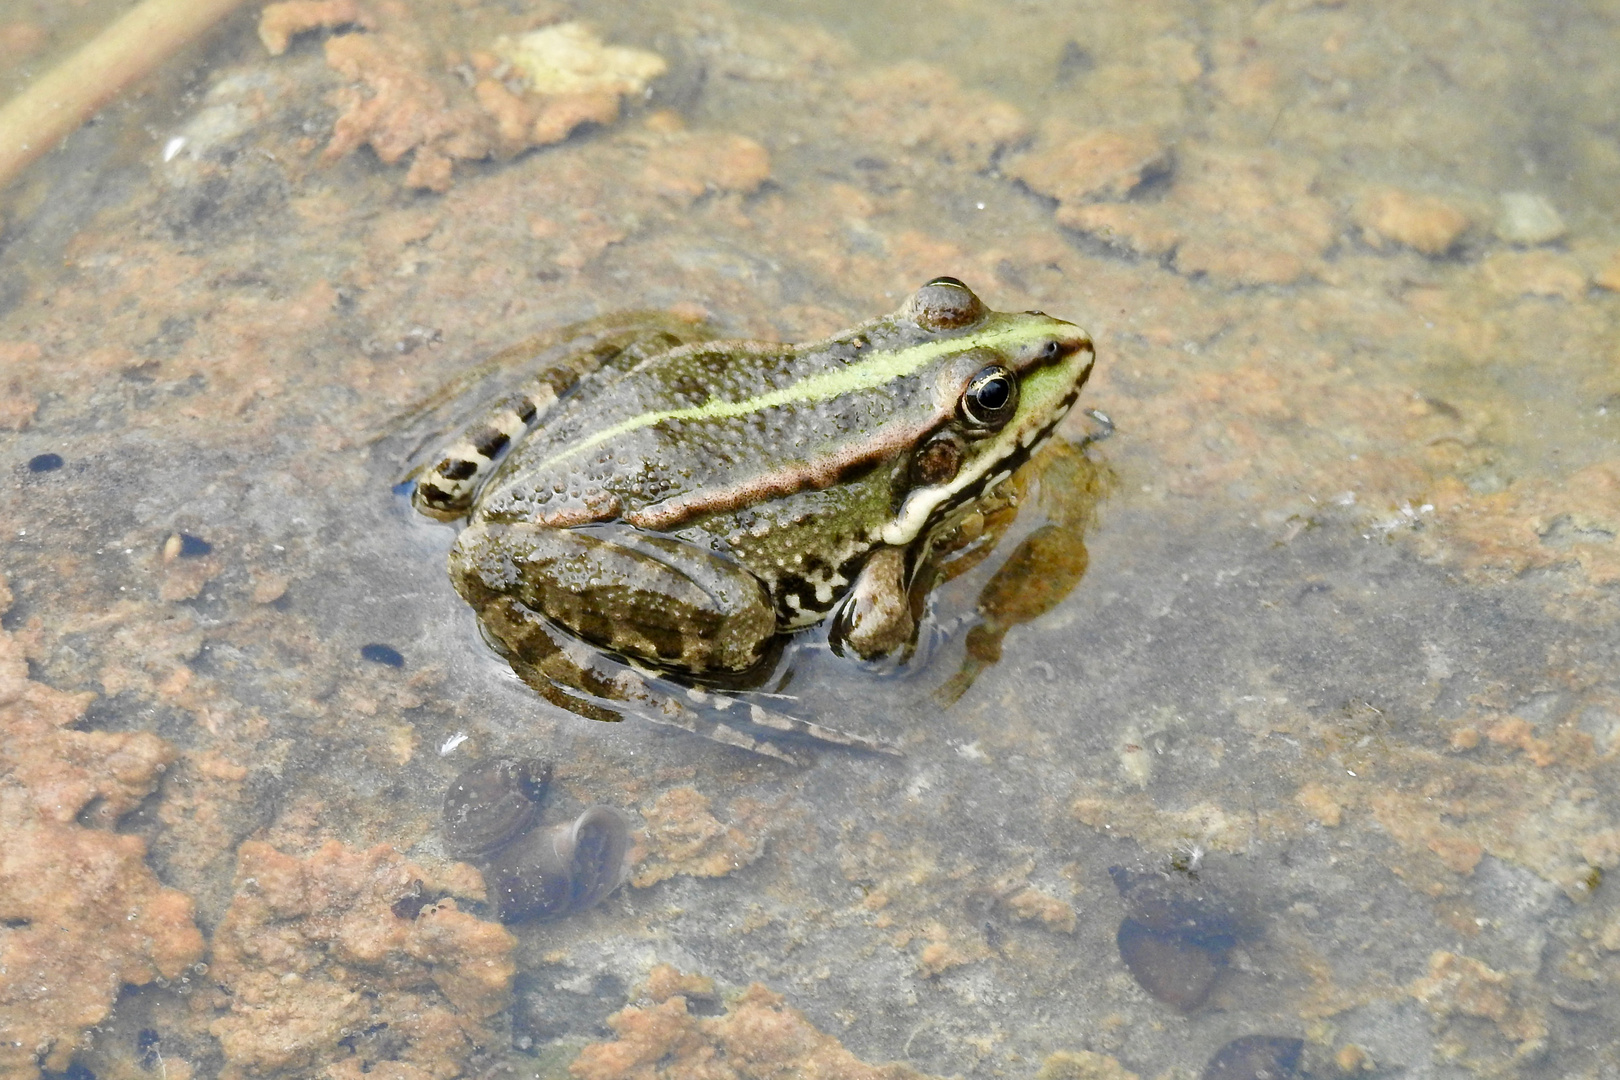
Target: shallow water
{"x":1341,"y":668}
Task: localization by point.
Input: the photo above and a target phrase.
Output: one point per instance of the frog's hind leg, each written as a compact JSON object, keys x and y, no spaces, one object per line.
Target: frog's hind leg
{"x":573,"y":676}
{"x":448,"y":488}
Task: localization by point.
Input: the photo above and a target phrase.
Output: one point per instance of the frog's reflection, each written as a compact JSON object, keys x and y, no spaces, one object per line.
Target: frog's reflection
{"x":1045,"y":566}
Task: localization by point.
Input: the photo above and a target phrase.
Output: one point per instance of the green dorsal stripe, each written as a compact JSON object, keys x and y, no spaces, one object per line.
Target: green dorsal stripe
{"x":872,"y":371}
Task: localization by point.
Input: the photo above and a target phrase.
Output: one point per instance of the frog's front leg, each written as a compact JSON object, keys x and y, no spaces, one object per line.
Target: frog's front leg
{"x":645,"y":597}
{"x":875,"y":618}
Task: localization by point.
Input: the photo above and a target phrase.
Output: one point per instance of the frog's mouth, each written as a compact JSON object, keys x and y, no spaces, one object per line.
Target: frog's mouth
{"x":927,"y":509}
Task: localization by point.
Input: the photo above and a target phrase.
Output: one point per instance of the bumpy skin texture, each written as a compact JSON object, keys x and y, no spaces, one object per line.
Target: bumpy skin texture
{"x":681,"y":503}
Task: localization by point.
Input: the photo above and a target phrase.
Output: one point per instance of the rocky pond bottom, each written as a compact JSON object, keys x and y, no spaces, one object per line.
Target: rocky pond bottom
{"x":1307,"y":769}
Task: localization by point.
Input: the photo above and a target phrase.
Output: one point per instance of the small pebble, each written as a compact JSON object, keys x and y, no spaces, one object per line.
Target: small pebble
{"x":194,"y":547}
{"x":1177,"y":971}
{"x":1180,"y":904}
{"x":45,"y":463}
{"x":492,"y":803}
{"x":1256,"y":1057}
{"x":1421,"y":222}
{"x":382,"y":654}
{"x":1528,"y":218}
{"x":1352,"y":1059}
{"x":185,"y":546}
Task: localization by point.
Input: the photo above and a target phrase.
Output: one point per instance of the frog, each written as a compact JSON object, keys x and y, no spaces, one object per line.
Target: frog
{"x":658,"y":509}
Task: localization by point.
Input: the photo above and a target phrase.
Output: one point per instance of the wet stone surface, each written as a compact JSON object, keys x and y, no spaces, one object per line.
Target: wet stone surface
{"x":1342,"y":638}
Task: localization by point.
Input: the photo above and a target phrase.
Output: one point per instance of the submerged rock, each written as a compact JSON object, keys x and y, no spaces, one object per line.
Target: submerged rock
{"x":1175,"y":970}
{"x":493,"y":803}
{"x":1528,"y":218}
{"x":1176,"y":935}
{"x":491,"y":818}
{"x":1256,"y":1057}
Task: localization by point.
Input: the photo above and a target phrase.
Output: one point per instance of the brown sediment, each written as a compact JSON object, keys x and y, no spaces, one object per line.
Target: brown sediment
{"x":759,"y":1036}
{"x":1099,"y":165}
{"x":314,"y":950}
{"x":83,"y":914}
{"x":682,"y":166}
{"x":280,"y":23}
{"x":34,"y":121}
{"x":1461,"y":986}
{"x":683,"y":837}
{"x":1421,"y":222}
{"x":1082,"y":1065}
{"x":923,"y":107}
{"x":402,"y":101}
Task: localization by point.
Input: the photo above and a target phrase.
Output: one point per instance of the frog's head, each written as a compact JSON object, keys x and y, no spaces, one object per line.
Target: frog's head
{"x":1003,"y":381}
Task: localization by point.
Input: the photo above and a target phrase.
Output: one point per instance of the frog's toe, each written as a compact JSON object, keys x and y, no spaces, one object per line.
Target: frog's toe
{"x":762,"y":717}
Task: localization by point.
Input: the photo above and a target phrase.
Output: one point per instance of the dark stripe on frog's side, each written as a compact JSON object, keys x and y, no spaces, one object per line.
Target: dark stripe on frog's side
{"x":624,"y":460}
{"x":808,"y":476}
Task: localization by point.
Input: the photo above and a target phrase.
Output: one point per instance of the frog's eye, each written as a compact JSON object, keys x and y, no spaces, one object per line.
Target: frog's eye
{"x":991,"y":398}
{"x":944,"y":304}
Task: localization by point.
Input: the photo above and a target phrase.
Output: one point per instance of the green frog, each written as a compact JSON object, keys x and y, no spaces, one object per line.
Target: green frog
{"x":651,"y":515}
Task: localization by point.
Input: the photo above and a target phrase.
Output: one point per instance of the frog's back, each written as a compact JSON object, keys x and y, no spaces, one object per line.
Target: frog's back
{"x":716,"y":426}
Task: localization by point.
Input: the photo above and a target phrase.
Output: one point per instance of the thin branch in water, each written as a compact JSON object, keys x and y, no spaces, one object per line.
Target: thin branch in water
{"x":55,"y":104}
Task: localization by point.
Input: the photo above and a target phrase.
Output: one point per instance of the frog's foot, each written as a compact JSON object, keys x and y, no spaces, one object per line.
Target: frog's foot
{"x":759,"y":716}
{"x":641,"y":688}
{"x":573,"y":676}
{"x":642,"y":699}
